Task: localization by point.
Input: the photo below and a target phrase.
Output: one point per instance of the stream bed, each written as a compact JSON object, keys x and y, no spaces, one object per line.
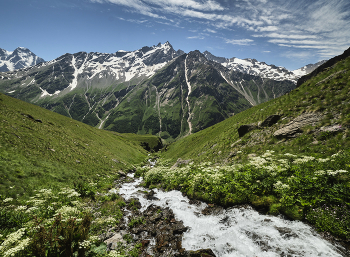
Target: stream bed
{"x":237,"y":231}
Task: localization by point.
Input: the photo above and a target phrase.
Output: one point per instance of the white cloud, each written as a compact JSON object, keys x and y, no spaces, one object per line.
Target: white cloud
{"x":195,"y":37}
{"x":241,"y":42}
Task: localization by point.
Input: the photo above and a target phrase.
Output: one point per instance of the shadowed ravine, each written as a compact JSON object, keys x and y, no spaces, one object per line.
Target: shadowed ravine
{"x":239,"y":231}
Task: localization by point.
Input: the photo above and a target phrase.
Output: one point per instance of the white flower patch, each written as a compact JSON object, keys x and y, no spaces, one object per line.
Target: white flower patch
{"x":10,"y":199}
{"x":11,"y":239}
{"x":304,"y":159}
{"x":32,"y":209}
{"x":320,"y":172}
{"x":268,"y":153}
{"x":69,"y":192}
{"x":333,"y":173}
{"x":258,"y":162}
{"x":323,"y":160}
{"x":279,"y":185}
{"x":21,"y":208}
{"x":290,"y":155}
{"x":67,"y":211}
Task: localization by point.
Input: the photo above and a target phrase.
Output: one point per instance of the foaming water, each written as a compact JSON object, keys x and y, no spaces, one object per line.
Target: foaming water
{"x":236,"y":231}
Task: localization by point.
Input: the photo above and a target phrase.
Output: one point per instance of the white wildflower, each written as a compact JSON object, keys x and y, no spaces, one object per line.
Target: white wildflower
{"x":341,"y":171}
{"x":32,"y":209}
{"x":323,"y":160}
{"x":67,"y":211}
{"x":85,"y":244}
{"x":303,"y":160}
{"x":290,"y":155}
{"x":8,"y":200}
{"x":11,"y":239}
{"x":279,"y":185}
{"x":320,"y":172}
{"x":21,"y":208}
{"x":19,"y":247}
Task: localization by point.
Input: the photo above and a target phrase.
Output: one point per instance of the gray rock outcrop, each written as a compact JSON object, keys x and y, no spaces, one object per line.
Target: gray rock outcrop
{"x":293,"y":128}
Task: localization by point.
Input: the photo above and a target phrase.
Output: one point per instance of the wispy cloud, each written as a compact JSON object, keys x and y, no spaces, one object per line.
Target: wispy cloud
{"x":319,"y":25}
{"x":196,"y":37}
{"x":241,"y":42}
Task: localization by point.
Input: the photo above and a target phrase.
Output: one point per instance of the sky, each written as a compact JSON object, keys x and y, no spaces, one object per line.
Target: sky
{"x":280,"y":32}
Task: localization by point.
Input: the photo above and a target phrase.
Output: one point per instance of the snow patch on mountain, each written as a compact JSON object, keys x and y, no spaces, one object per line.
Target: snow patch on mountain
{"x":254,"y":67}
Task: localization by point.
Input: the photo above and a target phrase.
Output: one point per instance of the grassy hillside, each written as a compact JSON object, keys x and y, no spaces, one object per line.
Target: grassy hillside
{"x":40,"y":148}
{"x":327,"y":94}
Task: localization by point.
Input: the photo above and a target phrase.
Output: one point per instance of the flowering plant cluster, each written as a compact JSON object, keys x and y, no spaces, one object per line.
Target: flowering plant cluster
{"x":53,"y":223}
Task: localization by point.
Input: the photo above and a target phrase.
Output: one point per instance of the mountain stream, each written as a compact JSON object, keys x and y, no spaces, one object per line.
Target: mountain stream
{"x":239,"y":231}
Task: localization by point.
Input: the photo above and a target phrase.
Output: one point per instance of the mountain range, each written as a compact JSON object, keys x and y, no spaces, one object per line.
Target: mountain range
{"x":19,"y":58}
{"x":154,"y":90}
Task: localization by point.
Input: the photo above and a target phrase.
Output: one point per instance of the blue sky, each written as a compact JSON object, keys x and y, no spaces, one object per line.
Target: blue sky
{"x":280,"y":32}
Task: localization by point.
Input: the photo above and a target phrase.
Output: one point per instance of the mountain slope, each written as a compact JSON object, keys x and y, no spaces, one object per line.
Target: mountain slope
{"x":325,"y":94}
{"x":20,"y":58}
{"x":188,"y":95}
{"x":40,"y":147}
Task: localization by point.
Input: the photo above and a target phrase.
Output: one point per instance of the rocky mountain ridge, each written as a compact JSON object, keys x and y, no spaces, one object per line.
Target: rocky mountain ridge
{"x":154,"y":90}
{"x":254,"y":67}
{"x":19,"y":58}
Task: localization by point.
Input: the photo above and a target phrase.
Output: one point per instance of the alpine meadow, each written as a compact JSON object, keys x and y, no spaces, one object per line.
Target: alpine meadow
{"x":229,"y":135}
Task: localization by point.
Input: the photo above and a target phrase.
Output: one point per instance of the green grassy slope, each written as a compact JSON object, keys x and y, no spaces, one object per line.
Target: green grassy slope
{"x":326,"y":93}
{"x":40,"y":148}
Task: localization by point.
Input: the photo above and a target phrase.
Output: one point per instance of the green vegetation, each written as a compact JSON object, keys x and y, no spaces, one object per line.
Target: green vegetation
{"x":39,"y":148}
{"x":51,"y":168}
{"x":59,"y":223}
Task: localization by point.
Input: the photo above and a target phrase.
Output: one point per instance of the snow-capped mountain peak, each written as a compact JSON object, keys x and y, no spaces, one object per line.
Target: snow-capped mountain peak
{"x":20,"y":58}
{"x":254,"y":67}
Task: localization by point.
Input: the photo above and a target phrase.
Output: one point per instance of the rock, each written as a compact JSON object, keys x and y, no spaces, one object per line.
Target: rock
{"x":244,"y":129}
{"x":269,"y":121}
{"x":121,"y":173}
{"x":332,"y":129}
{"x":112,"y":243}
{"x":295,"y":126}
{"x":201,"y":253}
{"x":180,"y":162}
{"x":150,"y":195}
{"x":212,"y":210}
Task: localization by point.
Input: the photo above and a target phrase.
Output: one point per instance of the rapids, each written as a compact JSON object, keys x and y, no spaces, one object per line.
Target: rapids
{"x":239,"y":231}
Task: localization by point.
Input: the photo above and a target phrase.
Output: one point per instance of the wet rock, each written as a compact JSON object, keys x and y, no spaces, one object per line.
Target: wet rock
{"x":294,"y":128}
{"x":271,"y":120}
{"x":286,"y":232}
{"x":212,"y":209}
{"x":244,"y":129}
{"x":150,"y":195}
{"x":201,"y":253}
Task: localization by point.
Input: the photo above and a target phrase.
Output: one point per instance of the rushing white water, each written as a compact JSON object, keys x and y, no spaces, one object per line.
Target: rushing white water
{"x":236,"y":231}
